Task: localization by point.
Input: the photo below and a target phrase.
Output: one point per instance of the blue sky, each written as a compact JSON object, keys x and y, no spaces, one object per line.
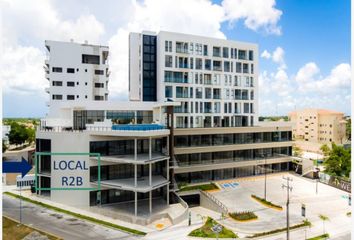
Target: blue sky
{"x":304,"y":46}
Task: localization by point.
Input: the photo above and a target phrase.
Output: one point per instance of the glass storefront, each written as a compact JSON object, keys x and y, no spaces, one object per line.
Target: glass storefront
{"x":229,"y":173}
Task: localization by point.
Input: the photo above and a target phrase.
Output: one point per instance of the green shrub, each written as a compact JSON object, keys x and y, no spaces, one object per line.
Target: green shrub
{"x":265,"y":202}
{"x":321,"y":237}
{"x":305,"y":223}
{"x":243,"y":216}
{"x":203,"y":187}
{"x":206,"y":232}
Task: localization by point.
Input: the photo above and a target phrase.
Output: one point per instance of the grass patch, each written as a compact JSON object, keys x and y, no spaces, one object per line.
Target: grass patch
{"x":305,"y":223}
{"x":203,"y":187}
{"x":243,"y":216}
{"x":266,"y":203}
{"x":206,"y":232}
{"x":321,"y":237}
{"x":12,"y":230}
{"x":91,"y":219}
{"x":349,"y":214}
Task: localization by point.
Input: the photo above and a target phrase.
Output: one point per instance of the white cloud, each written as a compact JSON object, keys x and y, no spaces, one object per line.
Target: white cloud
{"x":309,"y":79}
{"x":265,"y":54}
{"x":31,"y":22}
{"x":278,"y":57}
{"x":257,"y":14}
{"x":22,"y":70}
{"x":155,"y":16}
{"x":307,"y":73}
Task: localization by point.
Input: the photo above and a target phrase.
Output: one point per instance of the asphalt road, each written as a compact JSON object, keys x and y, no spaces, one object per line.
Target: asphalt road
{"x":62,"y":225}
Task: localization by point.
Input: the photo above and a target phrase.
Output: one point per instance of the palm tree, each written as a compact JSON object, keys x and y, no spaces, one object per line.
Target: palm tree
{"x":323,"y":218}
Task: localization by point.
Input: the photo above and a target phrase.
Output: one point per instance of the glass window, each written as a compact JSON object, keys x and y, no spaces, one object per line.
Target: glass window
{"x":168,"y":92}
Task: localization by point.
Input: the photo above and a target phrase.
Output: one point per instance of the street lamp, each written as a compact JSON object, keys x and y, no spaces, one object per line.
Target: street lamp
{"x":265,"y":175}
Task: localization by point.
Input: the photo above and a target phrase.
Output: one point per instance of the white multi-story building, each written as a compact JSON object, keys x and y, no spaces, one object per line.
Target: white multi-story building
{"x":192,"y":117}
{"x":76,"y":71}
{"x":214,"y":79}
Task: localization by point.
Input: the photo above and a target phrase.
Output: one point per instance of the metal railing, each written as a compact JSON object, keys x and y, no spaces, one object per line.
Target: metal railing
{"x":224,"y":209}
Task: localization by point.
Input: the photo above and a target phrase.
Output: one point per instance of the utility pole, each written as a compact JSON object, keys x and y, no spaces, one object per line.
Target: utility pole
{"x":265,"y":176}
{"x":288,"y":188}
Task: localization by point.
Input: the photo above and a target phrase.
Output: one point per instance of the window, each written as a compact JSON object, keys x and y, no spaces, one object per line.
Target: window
{"x":205,"y":50}
{"x":226,"y":66}
{"x":70,"y":97}
{"x":238,"y":67}
{"x":245,"y":68}
{"x":217,"y":66}
{"x":207,"y":93}
{"x":168,"y":61}
{"x":207,"y":64}
{"x":99,"y":72}
{"x":198,"y":92}
{"x":216,"y":52}
{"x":99,"y":85}
{"x":166,"y":46}
{"x":181,"y":92}
{"x":70,"y":84}
{"x":99,"y":98}
{"x":70,"y":70}
{"x":198,"y":63}
{"x":168,"y":92}
{"x":242,"y":54}
{"x":57,"y":97}
{"x":225,"y":52}
{"x":57,"y":83}
{"x":250,"y":55}
{"x":246,"y":108}
{"x":90,"y":59}
{"x":57,"y":69}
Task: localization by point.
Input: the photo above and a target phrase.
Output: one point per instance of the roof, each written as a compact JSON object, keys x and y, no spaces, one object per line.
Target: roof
{"x":318,"y":111}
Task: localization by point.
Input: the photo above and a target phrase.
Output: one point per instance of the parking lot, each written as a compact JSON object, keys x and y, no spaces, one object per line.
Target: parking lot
{"x":329,"y":201}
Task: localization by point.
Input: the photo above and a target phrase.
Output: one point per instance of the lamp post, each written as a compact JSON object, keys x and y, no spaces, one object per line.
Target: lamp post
{"x":288,"y":188}
{"x":265,"y":175}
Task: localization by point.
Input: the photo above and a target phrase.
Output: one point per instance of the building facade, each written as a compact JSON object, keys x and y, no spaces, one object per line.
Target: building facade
{"x":318,"y":126}
{"x":76,"y":71}
{"x":215,"y":80}
{"x":192,"y":117}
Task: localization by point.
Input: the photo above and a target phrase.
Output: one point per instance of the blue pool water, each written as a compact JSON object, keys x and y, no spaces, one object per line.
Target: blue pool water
{"x":138,"y":127}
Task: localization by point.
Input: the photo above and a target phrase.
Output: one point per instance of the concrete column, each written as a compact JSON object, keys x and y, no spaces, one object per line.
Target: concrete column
{"x":135,"y":149}
{"x":135,"y":117}
{"x":150,"y":201}
{"x":150,"y":150}
{"x":136,"y":204}
{"x":168,"y":194}
{"x":150,"y":177}
{"x":135,"y":175}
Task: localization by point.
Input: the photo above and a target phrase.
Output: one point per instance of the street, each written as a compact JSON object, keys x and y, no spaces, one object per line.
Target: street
{"x":62,"y":225}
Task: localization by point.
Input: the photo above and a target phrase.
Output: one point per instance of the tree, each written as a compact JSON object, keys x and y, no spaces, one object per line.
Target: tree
{"x":348,"y":129}
{"x":4,"y":147}
{"x":31,"y":135}
{"x":324,"y":219}
{"x":18,"y":134}
{"x":297,"y":152}
{"x":337,"y":161}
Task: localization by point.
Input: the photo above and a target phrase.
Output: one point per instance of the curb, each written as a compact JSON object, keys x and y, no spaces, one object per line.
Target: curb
{"x":34,"y":228}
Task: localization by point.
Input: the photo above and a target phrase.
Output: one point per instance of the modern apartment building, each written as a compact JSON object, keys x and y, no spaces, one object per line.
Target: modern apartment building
{"x":192,"y":117}
{"x":215,"y":80}
{"x":76,"y":71}
{"x":318,"y":126}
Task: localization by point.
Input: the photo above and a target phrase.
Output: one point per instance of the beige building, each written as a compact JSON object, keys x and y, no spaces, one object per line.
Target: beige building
{"x":318,"y":126}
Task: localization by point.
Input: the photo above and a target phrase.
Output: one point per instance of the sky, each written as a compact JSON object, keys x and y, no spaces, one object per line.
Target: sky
{"x":304,"y":46}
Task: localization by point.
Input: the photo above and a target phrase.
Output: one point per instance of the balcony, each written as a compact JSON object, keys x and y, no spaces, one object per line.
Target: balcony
{"x":142,"y":184}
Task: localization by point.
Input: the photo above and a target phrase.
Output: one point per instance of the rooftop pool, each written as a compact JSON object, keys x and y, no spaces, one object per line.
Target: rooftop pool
{"x":138,"y":127}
